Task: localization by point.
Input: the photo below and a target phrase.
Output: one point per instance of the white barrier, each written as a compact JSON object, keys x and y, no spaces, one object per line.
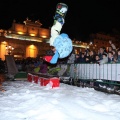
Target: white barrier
{"x":96,"y":71}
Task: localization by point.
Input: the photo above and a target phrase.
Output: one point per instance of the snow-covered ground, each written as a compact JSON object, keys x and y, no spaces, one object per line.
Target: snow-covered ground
{"x":23,"y":100}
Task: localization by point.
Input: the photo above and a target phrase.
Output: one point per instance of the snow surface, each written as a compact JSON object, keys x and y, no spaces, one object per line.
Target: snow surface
{"x":24,"y":100}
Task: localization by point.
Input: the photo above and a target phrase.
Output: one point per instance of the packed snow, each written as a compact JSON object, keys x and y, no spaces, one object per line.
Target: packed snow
{"x":25,"y":100}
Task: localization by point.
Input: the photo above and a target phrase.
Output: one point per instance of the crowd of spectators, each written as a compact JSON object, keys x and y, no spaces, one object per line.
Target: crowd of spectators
{"x":103,"y":55}
{"x":31,"y":65}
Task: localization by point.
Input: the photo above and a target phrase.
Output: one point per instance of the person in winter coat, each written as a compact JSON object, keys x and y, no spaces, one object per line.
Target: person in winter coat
{"x":97,"y":59}
{"x":110,"y":57}
{"x":104,"y":59}
{"x":82,"y":58}
{"x":112,"y":45}
{"x":118,"y":58}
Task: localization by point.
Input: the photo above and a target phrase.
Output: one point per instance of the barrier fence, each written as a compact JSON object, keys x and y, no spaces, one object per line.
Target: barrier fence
{"x":95,"y":71}
{"x":104,"y":77}
{"x":91,"y":75}
{"x":91,"y":72}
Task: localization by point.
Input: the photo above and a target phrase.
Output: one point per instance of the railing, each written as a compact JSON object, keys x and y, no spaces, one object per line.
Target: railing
{"x":96,"y":71}
{"x":90,"y":71}
{"x":104,"y":77}
{"x":107,"y":74}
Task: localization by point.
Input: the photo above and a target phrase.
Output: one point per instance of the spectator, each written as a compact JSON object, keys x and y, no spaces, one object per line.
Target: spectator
{"x":97,"y":59}
{"x":104,"y":60}
{"x":112,"y":45}
{"x":36,"y":63}
{"x":87,"y":59}
{"x":87,"y":52}
{"x":101,"y":52}
{"x":77,"y":58}
{"x":82,"y":58}
{"x":118,"y":58}
{"x":110,"y":57}
{"x":71,"y":57}
{"x":43,"y":67}
{"x":114,"y":55}
{"x":110,"y":49}
{"x":80,"y":52}
{"x":92,"y":56}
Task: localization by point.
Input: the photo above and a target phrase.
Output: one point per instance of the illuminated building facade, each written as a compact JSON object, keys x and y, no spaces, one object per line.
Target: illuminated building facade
{"x":24,"y":40}
{"x":28,"y":40}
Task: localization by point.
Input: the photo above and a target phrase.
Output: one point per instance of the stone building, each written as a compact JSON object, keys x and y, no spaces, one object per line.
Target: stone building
{"x":28,"y":40}
{"x":24,"y":40}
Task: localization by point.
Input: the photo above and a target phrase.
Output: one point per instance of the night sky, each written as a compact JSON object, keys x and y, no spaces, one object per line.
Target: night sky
{"x":83,"y":16}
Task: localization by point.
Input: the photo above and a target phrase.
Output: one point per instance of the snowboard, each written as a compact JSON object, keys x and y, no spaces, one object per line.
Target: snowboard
{"x":60,"y":13}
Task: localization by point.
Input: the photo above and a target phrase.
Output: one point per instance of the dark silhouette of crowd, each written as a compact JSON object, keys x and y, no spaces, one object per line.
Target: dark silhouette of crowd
{"x":102,"y":56}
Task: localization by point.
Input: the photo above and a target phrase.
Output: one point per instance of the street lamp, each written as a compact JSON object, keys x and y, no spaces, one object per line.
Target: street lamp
{"x":9,"y":49}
